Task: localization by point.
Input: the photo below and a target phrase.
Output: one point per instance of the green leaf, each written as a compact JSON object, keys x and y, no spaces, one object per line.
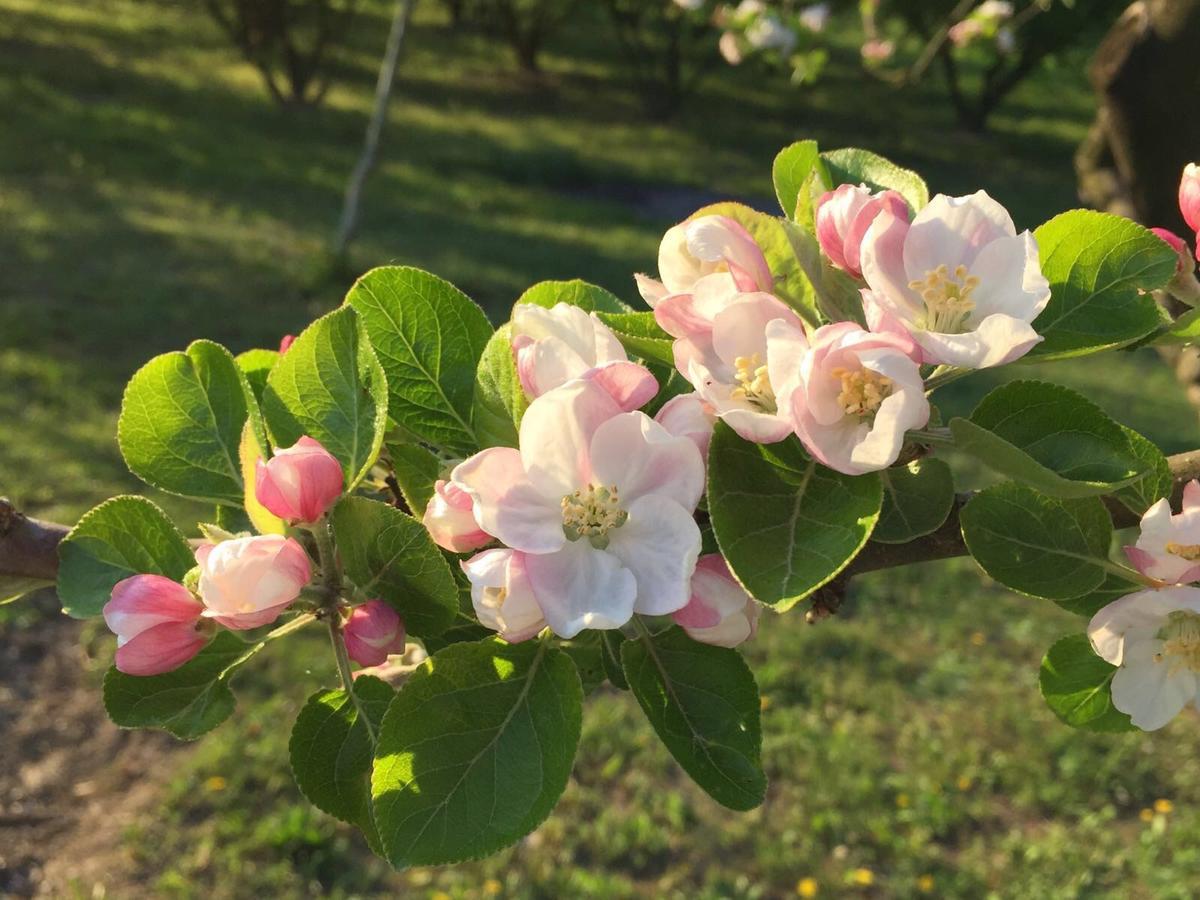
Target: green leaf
{"x":416,"y":470}
{"x":14,"y":587}
{"x":256,"y":365}
{"x":917,"y":498}
{"x":1077,"y":685}
{"x":1184,"y":330}
{"x":1038,"y":545}
{"x":587,"y":653}
{"x":853,"y":166}
{"x":791,"y":284}
{"x":1158,"y":481}
{"x":121,"y":537}
{"x":330,"y":386}
{"x":475,"y":751}
{"x":331,"y":751}
{"x":703,"y":703}
{"x":181,"y":421}
{"x":429,"y":336}
{"x":1050,"y":438}
{"x":836,"y":294}
{"x":611,"y":642}
{"x":785,"y":524}
{"x":390,"y":556}
{"x":188,"y":702}
{"x":641,"y":336}
{"x":1097,"y":264}
{"x":1113,"y":588}
{"x":499,"y":398}
{"x":579,"y":293}
{"x":790,"y":172}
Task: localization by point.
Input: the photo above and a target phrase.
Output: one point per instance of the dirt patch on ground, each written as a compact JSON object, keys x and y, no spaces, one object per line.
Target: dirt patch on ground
{"x":70,"y":780}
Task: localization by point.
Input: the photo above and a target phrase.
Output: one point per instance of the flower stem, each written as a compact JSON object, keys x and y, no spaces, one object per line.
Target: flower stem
{"x":343,"y":664}
{"x":288,"y":627}
{"x":940,"y":437}
{"x":943,"y":375}
{"x":331,"y":575}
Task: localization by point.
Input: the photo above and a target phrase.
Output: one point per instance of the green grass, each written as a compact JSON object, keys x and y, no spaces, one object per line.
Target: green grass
{"x":150,"y":194}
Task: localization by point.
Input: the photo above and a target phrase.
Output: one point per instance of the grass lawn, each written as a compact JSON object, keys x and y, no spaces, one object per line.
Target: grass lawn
{"x":151,"y":194}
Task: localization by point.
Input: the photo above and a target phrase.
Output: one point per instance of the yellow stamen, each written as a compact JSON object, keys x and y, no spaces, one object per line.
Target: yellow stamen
{"x":863,"y":390}
{"x":592,"y":513}
{"x":754,"y":385}
{"x":1181,"y":642}
{"x":1190,"y":552}
{"x":947,"y":298}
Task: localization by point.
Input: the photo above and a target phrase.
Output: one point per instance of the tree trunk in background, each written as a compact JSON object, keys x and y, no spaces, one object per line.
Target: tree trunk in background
{"x":1146,"y":73}
{"x":383,"y":93}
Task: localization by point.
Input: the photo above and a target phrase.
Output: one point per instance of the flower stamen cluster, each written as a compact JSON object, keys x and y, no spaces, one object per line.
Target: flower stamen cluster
{"x":592,"y":513}
{"x":1181,"y":642}
{"x":754,"y":383}
{"x":947,"y":298}
{"x":862,"y":391}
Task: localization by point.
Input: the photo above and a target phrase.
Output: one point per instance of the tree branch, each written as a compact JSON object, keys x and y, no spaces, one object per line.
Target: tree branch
{"x":28,"y":547}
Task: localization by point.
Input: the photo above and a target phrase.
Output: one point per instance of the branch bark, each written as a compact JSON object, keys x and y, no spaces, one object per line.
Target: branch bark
{"x":28,"y":547}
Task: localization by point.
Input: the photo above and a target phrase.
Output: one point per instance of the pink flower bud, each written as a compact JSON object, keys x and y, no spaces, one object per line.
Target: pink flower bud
{"x":373,"y":632}
{"x":248,"y":582}
{"x":1189,"y":196}
{"x":1179,"y":245}
{"x":285,"y":343}
{"x":843,"y":217}
{"x":300,"y":483}
{"x":450,"y":519}
{"x":720,"y":612}
{"x":154,"y":619}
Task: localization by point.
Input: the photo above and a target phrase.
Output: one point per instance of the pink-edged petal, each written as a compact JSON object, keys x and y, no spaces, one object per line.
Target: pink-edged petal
{"x":688,"y":415}
{"x":556,"y":437}
{"x":507,"y":504}
{"x":1140,"y":559}
{"x":882,"y":258}
{"x":651,"y":289}
{"x":951,"y":231}
{"x":787,"y":345}
{"x":630,"y":385}
{"x":740,"y":329}
{"x":881,"y":320}
{"x":1136,"y":616}
{"x":677,"y":268}
{"x":1191,"y":495}
{"x":581,"y":587}
{"x":659,"y":544}
{"x":160,"y":649}
{"x":642,"y":458}
{"x":718,"y":238}
{"x":141,"y":602}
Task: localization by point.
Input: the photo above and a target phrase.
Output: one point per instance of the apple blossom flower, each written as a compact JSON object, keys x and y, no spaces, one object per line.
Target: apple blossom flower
{"x":877,"y":51}
{"x":730,"y":47}
{"x":689,"y":416}
{"x":850,"y":394}
{"x":690,"y":5}
{"x":767,"y":32}
{"x":843,"y":217}
{"x":247,"y":582}
{"x":1189,"y":199}
{"x":372,"y":633}
{"x":299,"y":483}
{"x":719,"y":612}
{"x":727,"y":363}
{"x":599,"y":502}
{"x":1168,"y":546}
{"x":1154,"y":638}
{"x":502,"y":594}
{"x":959,"y":279}
{"x":554,"y":345}
{"x":815,"y":17}
{"x":704,"y":246}
{"x":994,"y":9}
{"x":154,"y":619}
{"x":450,"y":519}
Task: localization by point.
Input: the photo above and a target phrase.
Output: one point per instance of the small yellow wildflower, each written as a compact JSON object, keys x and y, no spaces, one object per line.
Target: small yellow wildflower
{"x":902,"y":801}
{"x":1146,"y":815}
{"x":807,"y":887}
{"x":925,"y":884}
{"x":863,"y":877}
{"x":215,"y":783}
{"x":1164,"y":806}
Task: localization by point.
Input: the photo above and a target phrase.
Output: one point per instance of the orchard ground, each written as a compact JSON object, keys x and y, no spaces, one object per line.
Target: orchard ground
{"x":151,"y":194}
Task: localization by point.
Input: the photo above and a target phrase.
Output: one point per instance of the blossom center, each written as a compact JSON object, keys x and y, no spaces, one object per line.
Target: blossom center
{"x":863,"y":390}
{"x":1181,"y":642}
{"x":753,"y":384}
{"x":947,"y":298}
{"x":1190,"y":552}
{"x":592,"y":513}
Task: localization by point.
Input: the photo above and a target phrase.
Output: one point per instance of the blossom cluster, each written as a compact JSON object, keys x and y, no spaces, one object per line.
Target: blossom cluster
{"x":246,"y":582}
{"x":591,"y":519}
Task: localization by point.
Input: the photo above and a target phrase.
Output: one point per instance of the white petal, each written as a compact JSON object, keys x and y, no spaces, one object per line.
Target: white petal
{"x":581,"y":587}
{"x":1010,"y":279}
{"x":951,"y":231}
{"x":786,"y":346}
{"x":1136,"y":616}
{"x":507,"y":505}
{"x":997,"y":340}
{"x":642,"y":458}
{"x":659,"y":544}
{"x":741,"y":328}
{"x":1149,"y":692}
{"x":556,"y":435}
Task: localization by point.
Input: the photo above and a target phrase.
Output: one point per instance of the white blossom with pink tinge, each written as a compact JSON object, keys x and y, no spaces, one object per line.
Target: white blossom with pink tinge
{"x":553,"y":346}
{"x":843,"y":217}
{"x":959,"y":279}
{"x":1154,"y":638}
{"x":720,"y":612}
{"x":849,"y":394}
{"x":704,"y":246}
{"x":600,"y":504}
{"x":689,"y":416}
{"x":450,"y":519}
{"x":726,"y":361}
{"x":248,"y":582}
{"x":502,"y":595}
{"x":1168,"y":547}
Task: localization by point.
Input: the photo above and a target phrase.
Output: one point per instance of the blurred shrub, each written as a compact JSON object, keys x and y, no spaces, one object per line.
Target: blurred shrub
{"x":525,"y":25}
{"x":289,"y":41}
